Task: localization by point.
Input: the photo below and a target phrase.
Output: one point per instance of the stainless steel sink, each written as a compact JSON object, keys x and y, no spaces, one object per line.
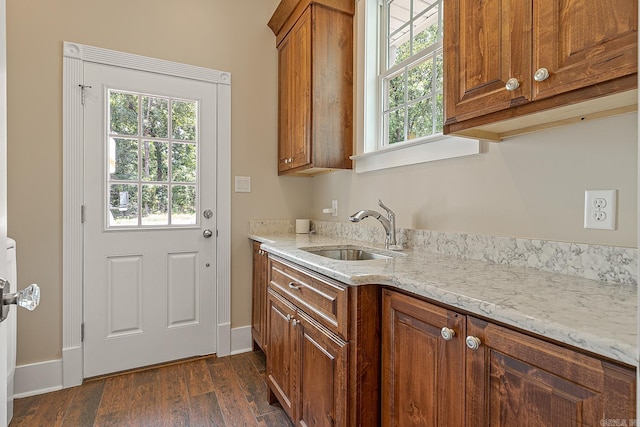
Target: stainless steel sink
{"x":351,"y":253}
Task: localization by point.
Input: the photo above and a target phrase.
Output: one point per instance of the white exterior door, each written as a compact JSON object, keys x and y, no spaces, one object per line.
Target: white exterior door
{"x":4,"y":356}
{"x":150,"y":221}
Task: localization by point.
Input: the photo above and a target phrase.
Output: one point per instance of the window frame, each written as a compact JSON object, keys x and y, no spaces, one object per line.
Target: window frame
{"x":372,"y":154}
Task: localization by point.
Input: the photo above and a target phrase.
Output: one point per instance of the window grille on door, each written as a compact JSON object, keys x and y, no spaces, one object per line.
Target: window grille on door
{"x":152,"y":161}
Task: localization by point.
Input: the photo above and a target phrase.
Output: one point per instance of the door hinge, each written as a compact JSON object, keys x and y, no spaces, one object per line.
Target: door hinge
{"x":82,"y":88}
{"x":82,"y":214}
{"x":82,"y":332}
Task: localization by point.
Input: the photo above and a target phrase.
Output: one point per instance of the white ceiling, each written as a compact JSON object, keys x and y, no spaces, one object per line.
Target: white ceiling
{"x":400,"y":14}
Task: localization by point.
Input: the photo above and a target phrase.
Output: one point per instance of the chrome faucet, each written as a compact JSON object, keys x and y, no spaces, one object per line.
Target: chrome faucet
{"x":389,"y":223}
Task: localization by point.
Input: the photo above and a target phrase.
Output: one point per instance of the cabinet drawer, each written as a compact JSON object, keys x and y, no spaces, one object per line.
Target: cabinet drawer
{"x":319,"y":296}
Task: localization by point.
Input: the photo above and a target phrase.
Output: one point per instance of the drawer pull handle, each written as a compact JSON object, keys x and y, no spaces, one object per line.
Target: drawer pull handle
{"x":447,"y":333}
{"x":292,"y":285}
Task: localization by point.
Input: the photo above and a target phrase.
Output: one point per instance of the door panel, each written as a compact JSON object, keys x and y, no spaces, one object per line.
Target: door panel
{"x":493,"y":45}
{"x":183,"y":289}
{"x":433,"y":394}
{"x":124,"y":282}
{"x":576,"y":58}
{"x":322,"y":376}
{"x":149,"y":272}
{"x":281,"y":351}
{"x":561,"y":387}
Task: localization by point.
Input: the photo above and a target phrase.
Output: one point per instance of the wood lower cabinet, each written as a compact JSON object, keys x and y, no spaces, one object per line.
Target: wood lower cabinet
{"x":498,"y":377}
{"x":322,"y":375}
{"x":422,"y":373}
{"x":306,"y":366}
{"x":281,"y":353}
{"x":323,"y":353}
{"x":259,"y":296}
{"x":515,"y":379}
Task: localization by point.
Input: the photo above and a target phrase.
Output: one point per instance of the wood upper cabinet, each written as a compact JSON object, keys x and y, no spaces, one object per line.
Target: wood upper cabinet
{"x":589,"y":50}
{"x":490,"y":45}
{"x":294,"y":85}
{"x":489,"y":375}
{"x":259,"y":296}
{"x":315,"y":85}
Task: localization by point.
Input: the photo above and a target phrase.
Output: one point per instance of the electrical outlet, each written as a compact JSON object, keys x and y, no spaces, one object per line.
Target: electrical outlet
{"x":600,"y":209}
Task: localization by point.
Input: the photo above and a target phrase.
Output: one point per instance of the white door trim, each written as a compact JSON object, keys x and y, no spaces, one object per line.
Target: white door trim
{"x":74,"y":56}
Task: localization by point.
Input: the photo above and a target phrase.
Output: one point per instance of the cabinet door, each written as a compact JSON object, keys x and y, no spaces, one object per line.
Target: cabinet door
{"x":285,"y":100}
{"x":514,"y":379}
{"x":280,"y":352}
{"x":422,"y":372}
{"x":295,"y":96}
{"x":322,"y":375}
{"x":259,"y":296}
{"x":486,"y":44}
{"x":583,"y":43}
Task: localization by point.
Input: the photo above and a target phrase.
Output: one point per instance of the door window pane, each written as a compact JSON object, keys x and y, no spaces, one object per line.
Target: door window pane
{"x":183,"y":204}
{"x":155,"y":113}
{"x":155,"y":162}
{"x":152,"y":161}
{"x":184,"y":120}
{"x":123,"y":159}
{"x":123,"y":205}
{"x":123,"y":108}
{"x":183,"y":162}
{"x":155,"y":204}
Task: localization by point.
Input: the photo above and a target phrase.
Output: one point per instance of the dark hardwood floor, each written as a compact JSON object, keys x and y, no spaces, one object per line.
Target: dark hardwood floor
{"x":211,"y":391}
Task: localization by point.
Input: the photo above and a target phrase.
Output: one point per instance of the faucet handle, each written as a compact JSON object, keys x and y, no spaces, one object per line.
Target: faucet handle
{"x":390,"y":213}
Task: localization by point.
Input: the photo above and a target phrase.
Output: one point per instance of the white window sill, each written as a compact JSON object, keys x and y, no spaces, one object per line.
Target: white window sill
{"x":438,"y":147}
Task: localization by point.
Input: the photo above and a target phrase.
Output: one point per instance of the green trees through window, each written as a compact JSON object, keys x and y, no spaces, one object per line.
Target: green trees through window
{"x":412,"y":96}
{"x":152,"y":156}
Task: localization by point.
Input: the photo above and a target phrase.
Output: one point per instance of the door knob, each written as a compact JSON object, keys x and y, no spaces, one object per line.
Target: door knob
{"x":28,"y":298}
{"x":207,"y":233}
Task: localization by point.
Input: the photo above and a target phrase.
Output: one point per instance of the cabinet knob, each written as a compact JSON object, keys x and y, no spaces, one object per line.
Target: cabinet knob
{"x":294,"y":322}
{"x":288,"y":318}
{"x":541,"y":75}
{"x":473,"y":342}
{"x":512,"y":84}
{"x":447,"y":333}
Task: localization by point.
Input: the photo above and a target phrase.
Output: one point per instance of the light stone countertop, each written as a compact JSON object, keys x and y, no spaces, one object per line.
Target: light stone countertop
{"x":596,"y":316}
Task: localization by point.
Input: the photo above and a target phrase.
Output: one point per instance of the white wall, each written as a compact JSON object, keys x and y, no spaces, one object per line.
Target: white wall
{"x":528,"y":186}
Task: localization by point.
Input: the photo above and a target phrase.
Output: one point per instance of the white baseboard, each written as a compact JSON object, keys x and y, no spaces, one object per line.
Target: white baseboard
{"x":241,"y":340}
{"x":72,"y":366}
{"x":44,"y":377}
{"x":38,"y":378}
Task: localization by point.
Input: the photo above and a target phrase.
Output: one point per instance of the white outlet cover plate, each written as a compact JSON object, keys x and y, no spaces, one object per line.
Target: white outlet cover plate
{"x":593,"y":209}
